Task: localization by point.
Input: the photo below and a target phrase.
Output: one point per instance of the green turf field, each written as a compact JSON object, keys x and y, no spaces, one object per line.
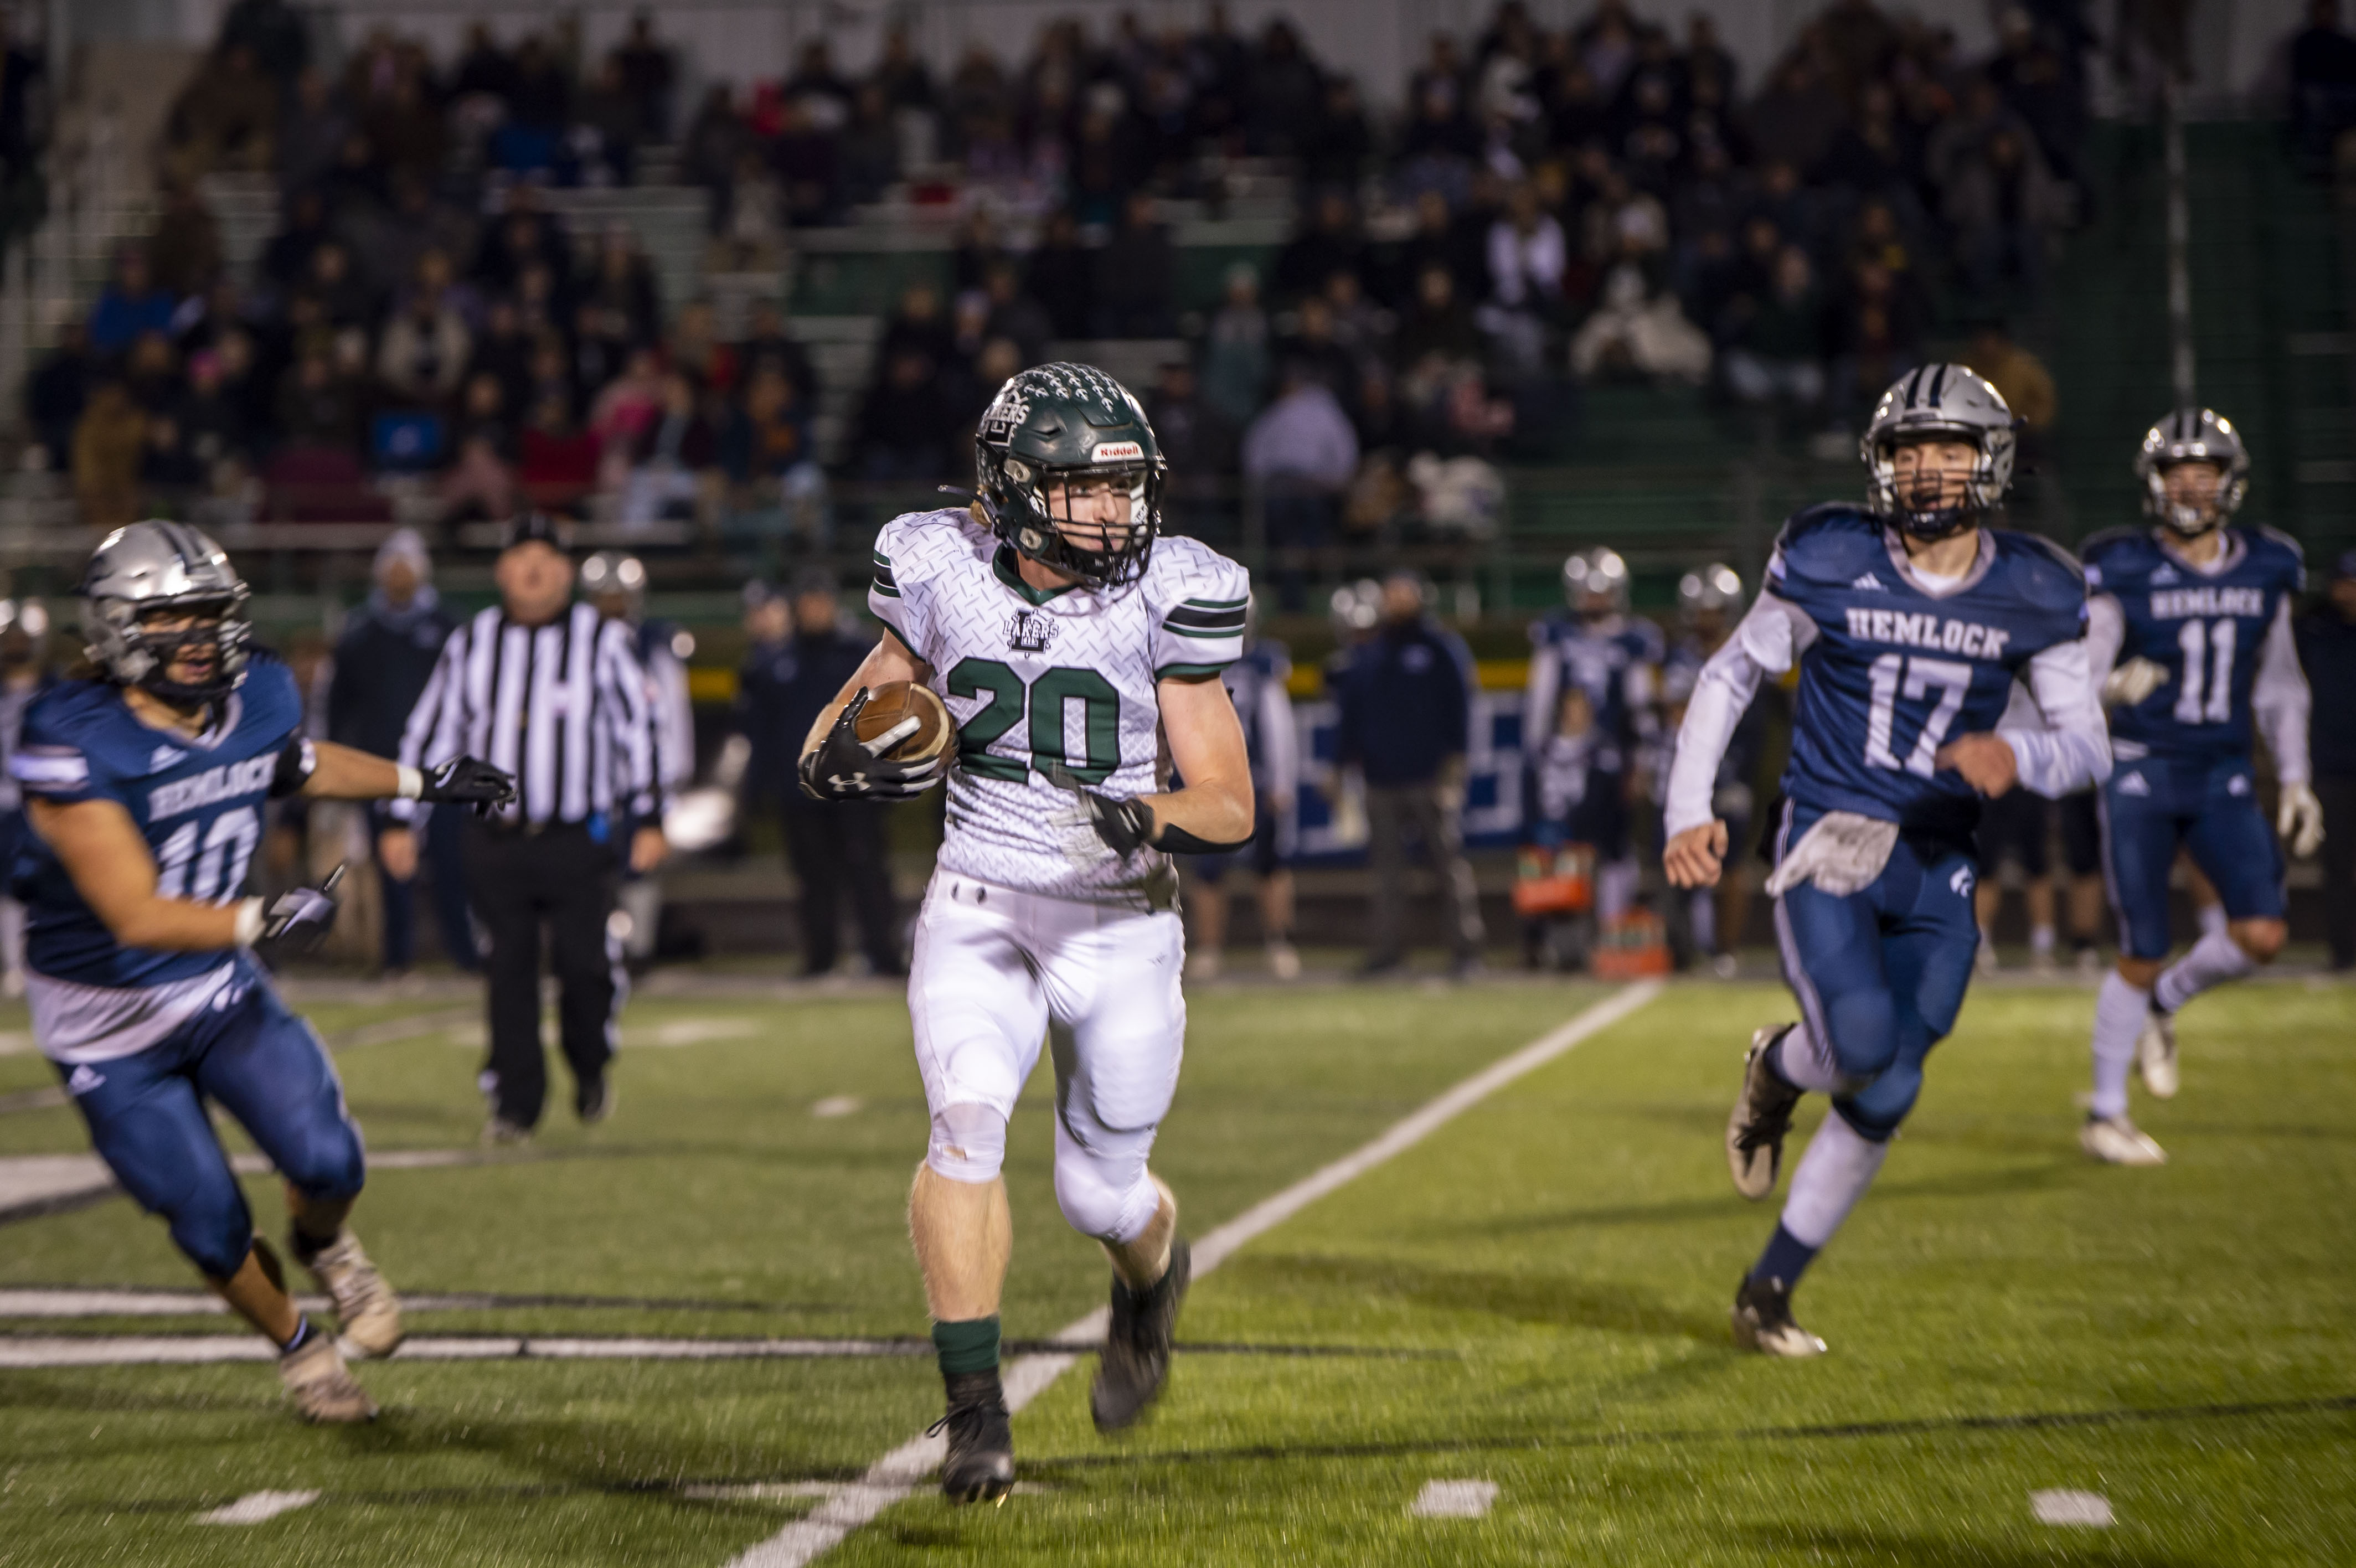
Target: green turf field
{"x":1532,"y":1297}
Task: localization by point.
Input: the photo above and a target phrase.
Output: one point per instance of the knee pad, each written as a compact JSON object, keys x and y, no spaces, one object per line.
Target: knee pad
{"x":1102,"y":1186}
{"x":212,"y":1226}
{"x":1864,"y":1026}
{"x":968,"y":1143}
{"x":329,"y":1164}
{"x":1875,"y":1111}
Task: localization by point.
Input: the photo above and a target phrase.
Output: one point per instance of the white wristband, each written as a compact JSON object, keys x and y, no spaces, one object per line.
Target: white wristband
{"x":412,"y":781}
{"x":248,"y":922}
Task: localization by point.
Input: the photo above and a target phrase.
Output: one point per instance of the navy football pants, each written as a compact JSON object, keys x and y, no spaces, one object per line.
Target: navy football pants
{"x":2150,"y":807}
{"x":1880,"y":973}
{"x":264,"y":1066}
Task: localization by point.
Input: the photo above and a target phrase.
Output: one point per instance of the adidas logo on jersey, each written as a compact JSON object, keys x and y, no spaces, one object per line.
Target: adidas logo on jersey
{"x":2134,"y":784}
{"x":1870,"y":581}
{"x":1030,"y":632}
{"x":2163,"y":574}
{"x":84,"y":1079}
{"x":165,"y":757}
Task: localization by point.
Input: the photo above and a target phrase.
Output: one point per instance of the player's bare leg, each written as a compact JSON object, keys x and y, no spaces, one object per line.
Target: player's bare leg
{"x":964,"y":1236}
{"x":1150,"y":1278}
{"x":368,"y":1312}
{"x":1276,"y":923}
{"x":309,"y":1363}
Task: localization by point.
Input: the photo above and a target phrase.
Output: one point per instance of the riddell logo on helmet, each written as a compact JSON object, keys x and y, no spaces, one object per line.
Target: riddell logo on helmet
{"x":1117,"y":452}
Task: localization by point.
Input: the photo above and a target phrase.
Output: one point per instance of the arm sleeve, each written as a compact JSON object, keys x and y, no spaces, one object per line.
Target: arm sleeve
{"x":2279,"y":699}
{"x":1280,"y":745}
{"x":2106,"y":632}
{"x":437,"y":724}
{"x":1767,"y":640}
{"x":622,"y":693}
{"x":1198,"y":620}
{"x":2073,"y":750}
{"x":1542,"y":694}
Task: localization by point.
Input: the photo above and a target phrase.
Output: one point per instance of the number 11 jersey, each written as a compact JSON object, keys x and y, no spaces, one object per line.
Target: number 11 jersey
{"x":2207,"y":626}
{"x":1065,"y":677}
{"x":1896,"y":666}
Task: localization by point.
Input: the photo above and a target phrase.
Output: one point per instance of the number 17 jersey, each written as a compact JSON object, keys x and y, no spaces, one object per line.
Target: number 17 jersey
{"x":1895,"y":667}
{"x":1065,"y":676}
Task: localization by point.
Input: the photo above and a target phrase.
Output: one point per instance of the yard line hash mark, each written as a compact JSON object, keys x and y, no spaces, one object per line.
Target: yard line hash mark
{"x":1454,"y":1499}
{"x":254,"y":1508}
{"x":900,"y":1471}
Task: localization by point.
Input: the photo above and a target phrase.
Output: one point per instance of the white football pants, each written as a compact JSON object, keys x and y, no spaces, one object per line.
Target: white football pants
{"x":997,"y":971}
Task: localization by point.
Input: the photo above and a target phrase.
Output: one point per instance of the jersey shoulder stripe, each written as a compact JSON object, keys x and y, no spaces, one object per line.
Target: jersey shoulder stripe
{"x":885,"y":583}
{"x":1198,"y":603}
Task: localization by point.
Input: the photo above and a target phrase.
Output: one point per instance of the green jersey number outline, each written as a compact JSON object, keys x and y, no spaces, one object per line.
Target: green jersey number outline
{"x":1046,"y":700}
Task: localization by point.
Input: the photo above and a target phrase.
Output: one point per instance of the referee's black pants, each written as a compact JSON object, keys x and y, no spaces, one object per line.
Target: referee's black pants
{"x":836,"y":848}
{"x":564,"y":880}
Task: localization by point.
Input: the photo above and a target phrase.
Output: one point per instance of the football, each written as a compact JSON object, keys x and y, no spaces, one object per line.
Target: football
{"x":893,"y":700}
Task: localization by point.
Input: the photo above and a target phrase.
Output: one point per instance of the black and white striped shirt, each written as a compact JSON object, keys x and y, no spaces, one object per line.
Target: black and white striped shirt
{"x":562,"y":707}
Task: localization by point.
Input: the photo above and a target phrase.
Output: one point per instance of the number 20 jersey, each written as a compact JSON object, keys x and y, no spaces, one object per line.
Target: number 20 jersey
{"x":2207,"y":628}
{"x":1895,"y":671}
{"x":198,"y":802}
{"x":1067,"y":677}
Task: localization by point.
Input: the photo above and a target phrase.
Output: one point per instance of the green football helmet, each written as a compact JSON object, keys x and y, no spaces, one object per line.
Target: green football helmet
{"x":1053,"y":424}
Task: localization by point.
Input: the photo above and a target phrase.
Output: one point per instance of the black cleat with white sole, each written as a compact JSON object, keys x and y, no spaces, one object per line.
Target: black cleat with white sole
{"x":1137,"y":1343}
{"x":1763,"y":1116}
{"x":1763,"y":1320}
{"x":980,"y":1464}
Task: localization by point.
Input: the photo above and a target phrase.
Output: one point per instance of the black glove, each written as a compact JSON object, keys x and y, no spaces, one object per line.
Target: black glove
{"x":844,"y":767}
{"x":1125,"y":825}
{"x":467,"y":780}
{"x":298,"y":920}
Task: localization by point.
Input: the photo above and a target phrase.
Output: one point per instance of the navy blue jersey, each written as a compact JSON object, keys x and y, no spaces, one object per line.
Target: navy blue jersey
{"x":1614,"y":663}
{"x":2206,"y":627}
{"x":1893,"y":672}
{"x":197,"y":801}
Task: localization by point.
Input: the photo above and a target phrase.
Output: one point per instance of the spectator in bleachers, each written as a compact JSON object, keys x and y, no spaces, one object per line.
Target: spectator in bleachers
{"x":2322,"y":80}
{"x":556,"y":462}
{"x":1437,"y":324}
{"x":1061,"y":276}
{"x":1876,"y":335}
{"x":904,"y":424}
{"x":1300,"y":454}
{"x":318,"y":405}
{"x":286,"y":259}
{"x":131,"y":304}
{"x":871,"y":145}
{"x":227,"y":117}
{"x":807,"y":160}
{"x":671,"y":456}
{"x":184,"y":254}
{"x":1136,"y":285}
{"x":211,"y":422}
{"x":1526,"y":265}
{"x":1776,"y":352}
{"x":1200,"y":444}
{"x":2003,"y":204}
{"x":344,"y":297}
{"x":109,"y":442}
{"x":1014,"y":314}
{"x":1330,"y":243}
{"x":59,"y":391}
{"x":715,"y":140}
{"x":273,"y":31}
{"x":1235,"y":353}
{"x":649,"y":74}
{"x":425,"y":348}
{"x":624,"y":288}
{"x":1640,"y":331}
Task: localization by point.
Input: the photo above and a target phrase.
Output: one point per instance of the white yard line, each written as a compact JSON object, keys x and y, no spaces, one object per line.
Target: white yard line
{"x":36,"y":1183}
{"x":256,"y":1507}
{"x":1454,"y":1499}
{"x":2071,"y":1509}
{"x":35,"y":1350}
{"x":905,"y":1469}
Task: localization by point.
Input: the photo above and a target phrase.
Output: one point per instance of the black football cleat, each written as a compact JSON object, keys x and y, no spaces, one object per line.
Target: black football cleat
{"x":980,"y":1464}
{"x":1135,"y":1361}
{"x":1763,"y":1320}
{"x":1762,"y":1116}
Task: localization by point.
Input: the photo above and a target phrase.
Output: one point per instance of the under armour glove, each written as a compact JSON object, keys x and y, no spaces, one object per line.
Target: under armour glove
{"x":1124,"y":826}
{"x":467,"y":780}
{"x":844,"y":767}
{"x":297,"y":921}
{"x":2300,"y":819}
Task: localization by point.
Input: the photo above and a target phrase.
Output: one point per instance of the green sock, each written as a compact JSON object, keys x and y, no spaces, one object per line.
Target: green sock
{"x":969,"y":1345}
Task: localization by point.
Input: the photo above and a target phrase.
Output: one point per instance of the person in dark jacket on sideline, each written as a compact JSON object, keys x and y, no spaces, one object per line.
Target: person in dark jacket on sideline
{"x":383,"y":663}
{"x":1406,"y":710}
{"x":2326,"y":650}
{"x":800,"y":657}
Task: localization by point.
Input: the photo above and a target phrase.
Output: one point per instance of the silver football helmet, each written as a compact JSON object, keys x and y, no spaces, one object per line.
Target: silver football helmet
{"x":1595,"y":581}
{"x":1356,"y":607}
{"x":610,"y":574}
{"x":1714,"y":587}
{"x":158,"y":565}
{"x":2193,"y":436}
{"x":1939,"y":402}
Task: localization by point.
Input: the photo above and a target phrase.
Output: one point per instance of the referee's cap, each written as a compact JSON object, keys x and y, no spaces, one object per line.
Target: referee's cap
{"x":541,"y":527}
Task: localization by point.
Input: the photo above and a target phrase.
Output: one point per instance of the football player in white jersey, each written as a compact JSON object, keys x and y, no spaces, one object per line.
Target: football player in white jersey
{"x":1079,"y":653}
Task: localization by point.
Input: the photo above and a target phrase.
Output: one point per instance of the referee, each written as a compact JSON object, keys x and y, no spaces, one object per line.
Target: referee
{"x":550,"y":691}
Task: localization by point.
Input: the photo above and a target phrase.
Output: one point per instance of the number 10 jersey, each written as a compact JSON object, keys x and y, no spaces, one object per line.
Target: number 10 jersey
{"x":1065,"y":677}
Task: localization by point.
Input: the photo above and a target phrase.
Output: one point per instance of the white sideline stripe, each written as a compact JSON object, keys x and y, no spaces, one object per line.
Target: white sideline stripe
{"x":255,"y":1507}
{"x":39,"y":1350}
{"x":900,"y":1471}
{"x":2090,"y":1510}
{"x":836,"y":1105}
{"x":1453,"y":1499}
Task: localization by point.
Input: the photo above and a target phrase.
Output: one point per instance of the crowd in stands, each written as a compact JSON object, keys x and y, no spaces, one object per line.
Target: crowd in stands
{"x":1606,"y":203}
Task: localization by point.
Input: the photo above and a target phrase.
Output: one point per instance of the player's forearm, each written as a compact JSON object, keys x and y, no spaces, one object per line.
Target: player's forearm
{"x":1216,"y":813}
{"x":342,"y":772}
{"x":1721,"y":692}
{"x":174,"y":925}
